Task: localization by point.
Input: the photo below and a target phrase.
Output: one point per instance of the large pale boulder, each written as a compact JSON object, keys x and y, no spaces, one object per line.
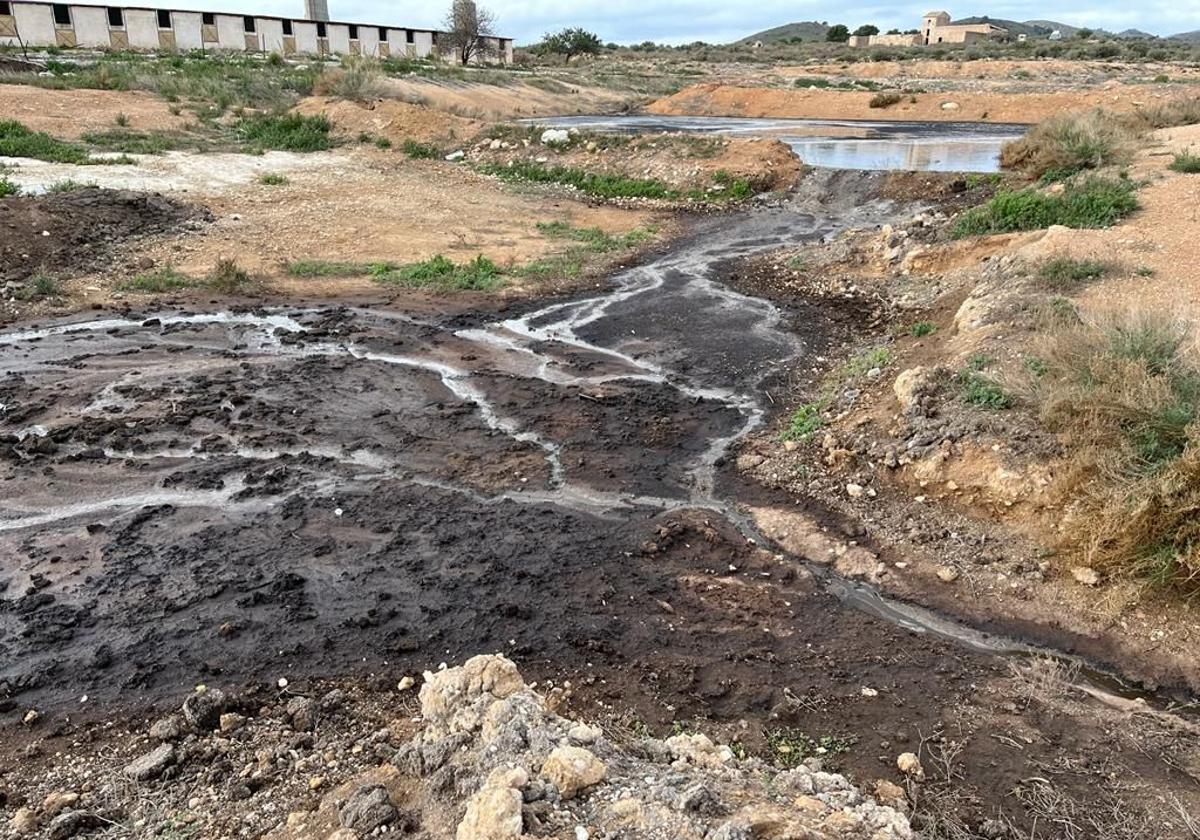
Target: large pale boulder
{"x":494,"y":812}
{"x":455,"y":700}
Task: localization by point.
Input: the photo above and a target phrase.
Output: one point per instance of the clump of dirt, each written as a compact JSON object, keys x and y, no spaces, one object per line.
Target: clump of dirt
{"x":391,"y":119}
{"x":77,"y":230}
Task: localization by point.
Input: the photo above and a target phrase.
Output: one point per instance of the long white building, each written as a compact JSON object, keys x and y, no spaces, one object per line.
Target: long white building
{"x":33,"y":23}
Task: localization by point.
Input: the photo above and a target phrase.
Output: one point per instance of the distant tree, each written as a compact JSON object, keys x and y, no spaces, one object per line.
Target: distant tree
{"x":867,"y":29}
{"x":893,"y":32}
{"x":468,"y":30}
{"x":1084,"y":34}
{"x":838,"y":34}
{"x":571,"y":42}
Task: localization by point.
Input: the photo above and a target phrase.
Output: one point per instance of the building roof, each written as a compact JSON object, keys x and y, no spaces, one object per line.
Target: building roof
{"x":935,"y":14}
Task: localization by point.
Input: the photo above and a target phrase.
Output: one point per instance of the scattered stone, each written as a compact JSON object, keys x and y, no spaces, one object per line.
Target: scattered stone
{"x":152,"y":764}
{"x":950,"y":106}
{"x":1085,"y":575}
{"x":24,"y":821}
{"x":367,"y":809}
{"x":232,"y":721}
{"x":58,"y":801}
{"x":555,"y":137}
{"x":69,"y":824}
{"x":855,"y":491}
{"x":581,"y":733}
{"x":572,"y":769}
{"x":202,"y":709}
{"x":910,"y":766}
{"x":405,"y":683}
{"x":947,"y":574}
{"x":454,"y":157}
{"x":31,"y":717}
{"x":303,"y":713}
{"x":170,"y":728}
{"x":890,"y":794}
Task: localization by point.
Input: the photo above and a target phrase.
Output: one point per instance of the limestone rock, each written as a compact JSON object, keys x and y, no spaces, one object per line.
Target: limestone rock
{"x":456,"y":699}
{"x":58,"y":801}
{"x":24,"y":821}
{"x":908,"y":384}
{"x":698,"y":750}
{"x":170,"y":728}
{"x":555,"y":137}
{"x":494,"y":813}
{"x":1085,"y":575}
{"x":573,"y":769}
{"x":890,"y":794}
{"x":910,"y":765}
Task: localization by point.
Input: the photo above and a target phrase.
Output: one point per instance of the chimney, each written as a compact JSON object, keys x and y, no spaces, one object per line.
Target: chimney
{"x":316,"y":9}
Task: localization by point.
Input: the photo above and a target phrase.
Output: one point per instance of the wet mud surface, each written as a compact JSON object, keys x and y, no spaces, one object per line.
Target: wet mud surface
{"x":234,"y":496}
{"x":77,"y":229}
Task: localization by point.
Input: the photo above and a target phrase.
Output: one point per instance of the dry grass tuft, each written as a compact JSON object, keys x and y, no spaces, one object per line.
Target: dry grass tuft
{"x":1068,"y":143}
{"x":1123,"y":390}
{"x":359,"y":79}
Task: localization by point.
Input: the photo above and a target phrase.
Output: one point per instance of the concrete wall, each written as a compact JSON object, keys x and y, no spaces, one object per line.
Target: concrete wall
{"x":142,"y":27}
{"x":186,"y":26}
{"x":89,"y":27}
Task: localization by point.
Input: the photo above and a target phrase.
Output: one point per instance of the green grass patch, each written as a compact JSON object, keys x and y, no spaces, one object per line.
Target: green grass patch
{"x":289,"y":132}
{"x":600,"y":185}
{"x":1064,"y":273}
{"x":229,"y":278}
{"x":922,"y":328}
{"x":1096,"y":203}
{"x":40,"y":286}
{"x":18,"y":141}
{"x":863,"y":363}
{"x":593,"y":238}
{"x":8,"y":187}
{"x":272,"y":179}
{"x":1185,"y":162}
{"x":983,"y":391}
{"x":440,"y":272}
{"x":134,"y":142}
{"x":69,"y":185}
{"x":805,"y":420}
{"x":335,"y":268}
{"x":420,"y":151}
{"x":159,"y":281}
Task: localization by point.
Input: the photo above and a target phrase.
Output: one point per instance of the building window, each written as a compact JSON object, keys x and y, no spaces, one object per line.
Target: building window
{"x":287,"y":27}
{"x":321,"y":29}
{"x":115,"y":19}
{"x":62,"y":14}
{"x":208,"y":19}
{"x":5,"y":8}
{"x":353,"y":32}
{"x":248,"y":24}
{"x":164,"y":19}
{"x":433,"y":38}
{"x":408,"y":36}
{"x":383,"y":34}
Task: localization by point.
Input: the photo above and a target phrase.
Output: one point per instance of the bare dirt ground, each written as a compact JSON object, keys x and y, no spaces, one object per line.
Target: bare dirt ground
{"x":713,"y":99}
{"x":518,"y":99}
{"x":69,"y":113}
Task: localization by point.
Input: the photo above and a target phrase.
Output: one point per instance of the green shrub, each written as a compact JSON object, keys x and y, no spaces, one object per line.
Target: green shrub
{"x":18,"y":141}
{"x":805,"y":420}
{"x":290,"y":132}
{"x":7,"y":187}
{"x":230,"y":278}
{"x":593,"y":238}
{"x":359,"y":79}
{"x":272,"y":179}
{"x":133,"y":142}
{"x":443,"y":273}
{"x":69,"y":185}
{"x":922,"y":329}
{"x":334,"y":268}
{"x":40,"y":286}
{"x":1097,"y":202}
{"x":420,"y":151}
{"x":1186,"y":162}
{"x":1068,"y":143}
{"x":982,"y":391}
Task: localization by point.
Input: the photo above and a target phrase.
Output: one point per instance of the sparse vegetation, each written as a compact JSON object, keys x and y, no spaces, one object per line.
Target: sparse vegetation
{"x":601,"y":185}
{"x":69,"y":185}
{"x":1124,"y":389}
{"x":8,"y":187}
{"x":334,"y":268}
{"x":1095,"y":203}
{"x":156,"y":282}
{"x":420,"y":151}
{"x":40,"y":286}
{"x":922,"y":328}
{"x":1186,"y":162}
{"x":805,"y":420}
{"x":272,"y":179}
{"x":290,"y":132}
{"x":1069,"y":143}
{"x":230,"y":278}
{"x":18,"y":141}
{"x":359,"y":79}
{"x":136,"y":142}
{"x":439,"y":272}
{"x":1064,"y":273}
{"x":790,"y":747}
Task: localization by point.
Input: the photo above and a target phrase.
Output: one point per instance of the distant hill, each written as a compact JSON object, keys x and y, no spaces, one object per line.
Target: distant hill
{"x":1032,"y":29}
{"x":809,"y":30}
{"x":1134,"y":33}
{"x":1050,"y":25}
{"x":1194,"y":37}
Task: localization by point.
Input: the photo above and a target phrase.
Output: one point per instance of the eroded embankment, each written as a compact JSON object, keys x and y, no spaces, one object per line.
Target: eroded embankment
{"x":228,"y":496}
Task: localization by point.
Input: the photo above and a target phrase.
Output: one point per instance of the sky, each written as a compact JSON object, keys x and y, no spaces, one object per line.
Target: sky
{"x":720,"y":21}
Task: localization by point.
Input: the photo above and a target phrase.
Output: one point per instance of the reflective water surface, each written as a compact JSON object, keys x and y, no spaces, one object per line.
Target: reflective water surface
{"x":838,"y":144}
